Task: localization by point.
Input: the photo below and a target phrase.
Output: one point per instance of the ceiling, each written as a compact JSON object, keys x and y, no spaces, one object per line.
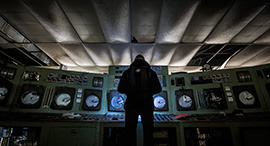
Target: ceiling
{"x":90,"y":35}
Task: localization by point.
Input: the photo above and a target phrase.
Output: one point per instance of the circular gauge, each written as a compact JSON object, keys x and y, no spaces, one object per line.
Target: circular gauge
{"x":117,"y":102}
{"x":3,"y":92}
{"x":62,"y":99}
{"x":246,"y":98}
{"x":30,"y":98}
{"x":159,"y":102}
{"x":185,"y":101}
{"x":92,"y":101}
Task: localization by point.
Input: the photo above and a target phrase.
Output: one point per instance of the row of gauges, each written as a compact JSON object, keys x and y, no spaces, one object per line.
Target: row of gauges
{"x":31,"y":97}
{"x":213,"y":98}
{"x":117,"y":100}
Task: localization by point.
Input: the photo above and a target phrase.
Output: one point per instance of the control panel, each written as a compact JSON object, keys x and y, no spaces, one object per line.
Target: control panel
{"x":40,"y":90}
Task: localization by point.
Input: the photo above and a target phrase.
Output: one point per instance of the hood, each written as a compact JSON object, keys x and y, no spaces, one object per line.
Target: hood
{"x":140,"y":63}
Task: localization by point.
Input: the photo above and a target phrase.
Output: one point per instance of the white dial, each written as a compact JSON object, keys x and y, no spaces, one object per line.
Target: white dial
{"x":117,"y":102}
{"x":92,"y":101}
{"x":185,"y":101}
{"x":63,"y":99}
{"x":30,"y":98}
{"x":159,"y":102}
{"x":247,"y":98}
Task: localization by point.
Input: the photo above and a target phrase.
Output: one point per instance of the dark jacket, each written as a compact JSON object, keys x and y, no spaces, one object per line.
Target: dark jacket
{"x":139,"y":86}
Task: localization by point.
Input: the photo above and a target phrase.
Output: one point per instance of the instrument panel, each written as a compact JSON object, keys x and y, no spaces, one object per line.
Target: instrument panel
{"x":203,"y":96}
{"x":57,"y":91}
{"x":222,"y":90}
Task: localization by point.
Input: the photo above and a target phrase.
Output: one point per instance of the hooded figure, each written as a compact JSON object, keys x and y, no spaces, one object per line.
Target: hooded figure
{"x":140,"y":83}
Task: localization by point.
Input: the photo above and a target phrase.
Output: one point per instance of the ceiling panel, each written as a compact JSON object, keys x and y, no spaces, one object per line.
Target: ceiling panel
{"x":240,"y":14}
{"x":204,"y":20}
{"x":175,"y":16}
{"x":19,"y":16}
{"x":162,"y":54}
{"x":264,"y":39}
{"x":260,"y":58}
{"x":78,"y":54}
{"x":56,"y":52}
{"x":247,"y":54}
{"x":258,"y":26}
{"x":113,"y":16}
{"x":83,"y":17}
{"x":100,"y":54}
{"x":53,"y":19}
{"x":3,"y":41}
{"x":121,"y":54}
{"x":183,"y":54}
{"x":144,"y":16}
{"x":267,"y":61}
{"x":146,"y":50}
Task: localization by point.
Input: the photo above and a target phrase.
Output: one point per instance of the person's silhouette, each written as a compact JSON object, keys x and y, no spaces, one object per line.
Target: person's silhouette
{"x":140,"y":83}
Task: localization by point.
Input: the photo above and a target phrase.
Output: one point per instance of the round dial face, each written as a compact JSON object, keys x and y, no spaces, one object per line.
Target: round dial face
{"x":3,"y":92}
{"x":159,"y":102}
{"x":30,"y":97}
{"x":117,"y":102}
{"x":63,"y":99}
{"x":92,"y":101}
{"x":246,"y":98}
{"x":185,"y":101}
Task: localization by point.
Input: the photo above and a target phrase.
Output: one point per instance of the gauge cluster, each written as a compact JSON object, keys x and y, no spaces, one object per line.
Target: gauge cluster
{"x":57,"y":91}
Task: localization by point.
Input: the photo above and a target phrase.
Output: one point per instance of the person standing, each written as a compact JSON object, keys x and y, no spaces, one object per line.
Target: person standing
{"x":139,"y":83}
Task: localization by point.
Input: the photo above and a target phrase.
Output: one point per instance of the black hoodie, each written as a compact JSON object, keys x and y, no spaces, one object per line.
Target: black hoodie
{"x":140,"y":83}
